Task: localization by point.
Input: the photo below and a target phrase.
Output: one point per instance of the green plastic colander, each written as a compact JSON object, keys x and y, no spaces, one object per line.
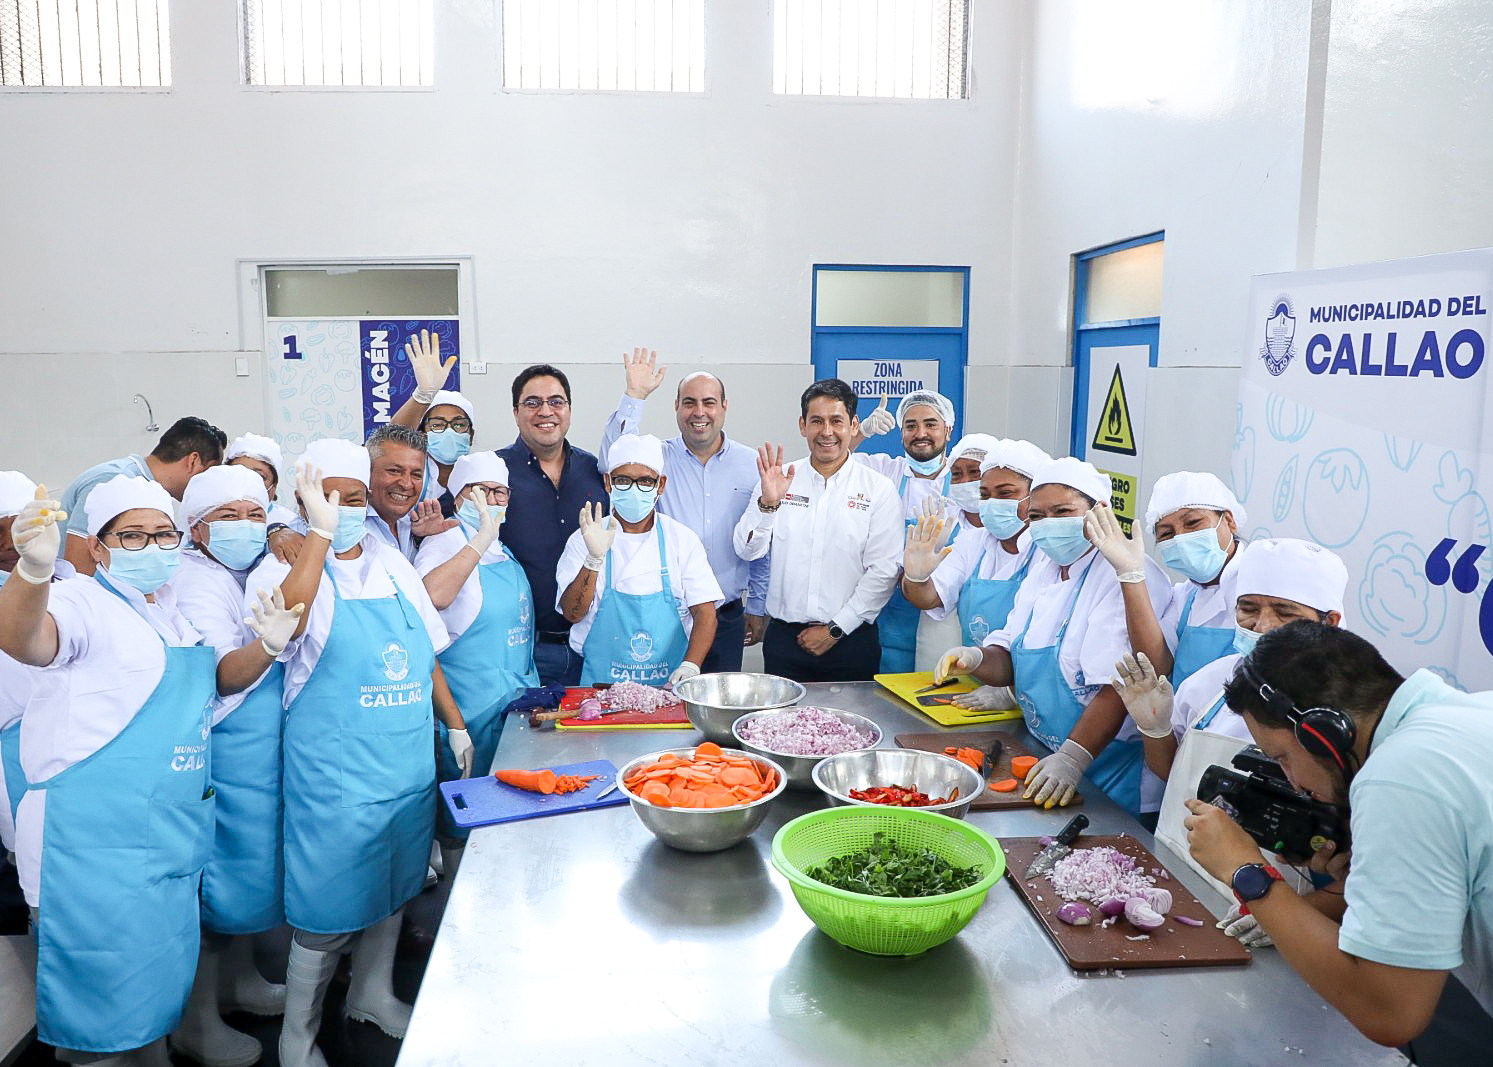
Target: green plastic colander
{"x":885,"y":926}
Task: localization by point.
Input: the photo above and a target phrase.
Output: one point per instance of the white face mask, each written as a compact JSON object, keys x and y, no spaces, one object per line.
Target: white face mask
{"x":966,"y":495}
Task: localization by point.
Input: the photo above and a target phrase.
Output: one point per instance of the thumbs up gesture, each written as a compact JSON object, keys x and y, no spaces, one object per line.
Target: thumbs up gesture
{"x":879,"y":421}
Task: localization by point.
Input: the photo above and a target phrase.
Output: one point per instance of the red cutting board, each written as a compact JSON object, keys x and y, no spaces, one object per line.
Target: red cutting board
{"x":1010,"y":747}
{"x":669,"y":717}
{"x":1094,"y":948}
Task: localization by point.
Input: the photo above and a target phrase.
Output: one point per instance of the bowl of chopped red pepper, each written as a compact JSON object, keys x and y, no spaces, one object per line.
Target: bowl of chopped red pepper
{"x":901,"y":778}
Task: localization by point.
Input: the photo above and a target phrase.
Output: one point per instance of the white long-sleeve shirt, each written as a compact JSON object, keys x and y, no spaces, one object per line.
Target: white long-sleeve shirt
{"x":836,"y":545}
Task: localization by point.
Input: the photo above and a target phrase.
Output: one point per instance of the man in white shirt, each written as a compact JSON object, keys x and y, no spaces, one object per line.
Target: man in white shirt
{"x":835,"y":532}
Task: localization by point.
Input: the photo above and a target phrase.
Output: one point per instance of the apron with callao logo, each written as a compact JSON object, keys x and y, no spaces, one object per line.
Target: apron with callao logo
{"x":360,"y":769}
{"x":635,"y":637}
{"x":1052,"y":709}
{"x":125,"y":835}
{"x":984,"y":603}
{"x":1198,"y":646}
{"x":897,"y":625}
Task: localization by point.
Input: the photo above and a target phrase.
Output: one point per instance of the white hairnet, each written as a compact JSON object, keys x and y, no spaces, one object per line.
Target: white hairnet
{"x":217,"y":486}
{"x":1076,"y":474}
{"x":1292,"y":569}
{"x":1191,"y":489}
{"x":477,"y":467}
{"x":126,"y":492}
{"x":646,"y":450}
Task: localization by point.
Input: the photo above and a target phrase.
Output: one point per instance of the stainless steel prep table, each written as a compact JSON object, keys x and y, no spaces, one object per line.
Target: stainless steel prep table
{"x":579,"y":939}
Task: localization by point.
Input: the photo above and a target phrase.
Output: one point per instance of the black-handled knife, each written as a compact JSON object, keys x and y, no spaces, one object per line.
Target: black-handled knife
{"x":1059,"y":847}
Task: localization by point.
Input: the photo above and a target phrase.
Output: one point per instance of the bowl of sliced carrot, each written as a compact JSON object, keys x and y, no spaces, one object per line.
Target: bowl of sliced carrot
{"x":702,"y":799}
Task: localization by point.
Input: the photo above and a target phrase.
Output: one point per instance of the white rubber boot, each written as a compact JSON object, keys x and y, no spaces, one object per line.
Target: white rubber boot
{"x":202,"y":1035}
{"x":451,"y":858}
{"x":240,"y":985}
{"x":155,"y":1054}
{"x":307,"y":976}
{"x":370,"y":996}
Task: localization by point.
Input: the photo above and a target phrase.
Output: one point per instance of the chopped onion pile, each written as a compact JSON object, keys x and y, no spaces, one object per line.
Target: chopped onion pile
{"x":634,"y":696}
{"x":806,"y":732}
{"x":1099,"y":874}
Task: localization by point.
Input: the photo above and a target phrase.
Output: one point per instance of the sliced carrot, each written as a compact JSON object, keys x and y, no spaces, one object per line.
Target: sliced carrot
{"x":1021,"y":766}
{"x":707,"y":748}
{"x":1009,"y":785}
{"x":950,"y":750}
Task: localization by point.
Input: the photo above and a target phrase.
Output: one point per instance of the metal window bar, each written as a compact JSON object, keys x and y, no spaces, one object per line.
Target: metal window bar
{"x":370,"y":43}
{"x":604,"y":45}
{"x":915,"y":49}
{"x":108,"y":44}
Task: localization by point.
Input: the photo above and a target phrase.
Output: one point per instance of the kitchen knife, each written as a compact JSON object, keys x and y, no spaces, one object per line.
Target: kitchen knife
{"x":936,"y":685}
{"x":607,"y":790}
{"x":1058,"y":849}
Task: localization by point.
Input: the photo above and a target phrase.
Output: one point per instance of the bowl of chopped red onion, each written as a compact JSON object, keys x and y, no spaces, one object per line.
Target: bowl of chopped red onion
{"x":798,"y":738}
{"x":900,"y":777}
{"x":714,"y":702}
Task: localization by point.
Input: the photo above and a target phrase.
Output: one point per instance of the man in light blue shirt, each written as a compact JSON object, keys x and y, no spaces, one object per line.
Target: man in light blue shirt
{"x":710,"y":484}
{"x":397,"y":515}
{"x":1413,"y":760}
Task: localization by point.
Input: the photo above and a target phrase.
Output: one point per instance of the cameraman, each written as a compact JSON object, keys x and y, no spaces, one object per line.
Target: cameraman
{"x":1413,"y":760}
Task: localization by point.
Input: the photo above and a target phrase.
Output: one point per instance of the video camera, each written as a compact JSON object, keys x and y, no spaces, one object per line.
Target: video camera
{"x":1261,"y":800}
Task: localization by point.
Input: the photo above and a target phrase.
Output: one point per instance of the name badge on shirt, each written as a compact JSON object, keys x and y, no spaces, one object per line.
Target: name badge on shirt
{"x":859,"y":502}
{"x":796,"y":499}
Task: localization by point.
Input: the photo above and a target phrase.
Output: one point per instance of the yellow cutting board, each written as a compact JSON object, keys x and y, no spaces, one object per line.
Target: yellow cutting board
{"x":934,"y":704}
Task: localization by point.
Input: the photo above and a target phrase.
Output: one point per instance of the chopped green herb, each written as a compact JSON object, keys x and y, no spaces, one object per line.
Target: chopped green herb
{"x":885,"y":869}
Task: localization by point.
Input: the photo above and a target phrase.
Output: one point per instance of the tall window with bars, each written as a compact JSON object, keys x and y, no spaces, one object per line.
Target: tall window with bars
{"x":915,"y":49}
{"x":103,"y":44}
{"x":373,"y":43}
{"x":604,"y":45}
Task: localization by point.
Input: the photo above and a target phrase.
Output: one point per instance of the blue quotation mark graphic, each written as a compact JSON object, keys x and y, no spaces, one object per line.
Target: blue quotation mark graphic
{"x":1464,"y":577}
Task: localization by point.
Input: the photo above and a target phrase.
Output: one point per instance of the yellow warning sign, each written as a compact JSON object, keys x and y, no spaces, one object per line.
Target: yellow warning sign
{"x":1114,"y":432}
{"x":1122,"y":493}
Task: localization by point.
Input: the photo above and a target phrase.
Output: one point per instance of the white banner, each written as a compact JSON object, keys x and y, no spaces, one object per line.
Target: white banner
{"x":1361,"y":425}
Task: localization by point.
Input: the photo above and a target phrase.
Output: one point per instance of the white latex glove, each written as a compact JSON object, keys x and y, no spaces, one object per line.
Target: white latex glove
{"x":487,"y":527}
{"x":424,"y":353}
{"x":925,"y":548}
{"x":1127,"y":556}
{"x":879,"y":421}
{"x":1054,"y":780}
{"x":461,"y":747}
{"x":272,"y":622}
{"x":320,"y":509}
{"x":985,"y":698}
{"x":683,"y":671}
{"x":598,"y":530}
{"x":37,"y":536}
{"x":959,"y":660}
{"x":1244,"y":928}
{"x":1147,"y":695}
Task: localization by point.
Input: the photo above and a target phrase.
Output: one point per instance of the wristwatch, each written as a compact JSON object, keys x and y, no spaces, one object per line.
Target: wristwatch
{"x":835,"y":631}
{"x":1253,"y":881}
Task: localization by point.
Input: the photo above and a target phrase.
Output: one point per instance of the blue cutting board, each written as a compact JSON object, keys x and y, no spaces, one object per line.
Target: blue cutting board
{"x":484,"y":801}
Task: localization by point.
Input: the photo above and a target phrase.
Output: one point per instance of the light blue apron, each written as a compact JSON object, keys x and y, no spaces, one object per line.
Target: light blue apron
{"x":1198,"y":646}
{"x":244,"y":883}
{"x":984,"y":603}
{"x":360,"y":770}
{"x":10,"y":767}
{"x":486,"y":667}
{"x":126,"y":833}
{"x":635,"y":636}
{"x":1052,"y":709}
{"x":898,"y":622}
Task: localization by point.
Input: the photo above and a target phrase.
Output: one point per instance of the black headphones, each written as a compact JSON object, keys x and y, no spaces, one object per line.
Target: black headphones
{"x":1321,"y":731}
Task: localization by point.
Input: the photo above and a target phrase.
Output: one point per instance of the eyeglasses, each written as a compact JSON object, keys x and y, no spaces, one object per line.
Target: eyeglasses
{"x":495,"y":494}
{"x":622,"y":481}
{"x":437,"y":424}
{"x":534,"y":403}
{"x":136,"y":540}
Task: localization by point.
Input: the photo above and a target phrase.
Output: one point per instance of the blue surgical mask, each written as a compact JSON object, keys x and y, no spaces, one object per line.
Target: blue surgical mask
{"x":1000,"y":518}
{"x":351,"y":526}
{"x":966,"y":495}
{"x":1196,"y":555}
{"x":926,"y":467}
{"x":1245,"y":640}
{"x":236,"y":543}
{"x":1061,"y":538}
{"x":635,"y":503}
{"x":448,"y":445}
{"x":146,"y":570}
{"x":469,"y":514}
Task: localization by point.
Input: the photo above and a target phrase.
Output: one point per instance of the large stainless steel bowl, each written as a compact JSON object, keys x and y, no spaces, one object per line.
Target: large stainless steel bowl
{"x":715,"y":701}
{"x":701,"y":829}
{"x":801,"y":768}
{"x":931,"y":772}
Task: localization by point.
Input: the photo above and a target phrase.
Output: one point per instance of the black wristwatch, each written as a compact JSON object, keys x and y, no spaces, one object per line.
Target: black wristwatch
{"x":274,"y":528}
{"x":1253,"y":881}
{"x":835,"y":631}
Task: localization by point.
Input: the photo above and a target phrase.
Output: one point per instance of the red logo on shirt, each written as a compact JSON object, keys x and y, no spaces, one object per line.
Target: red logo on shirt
{"x":859,"y":503}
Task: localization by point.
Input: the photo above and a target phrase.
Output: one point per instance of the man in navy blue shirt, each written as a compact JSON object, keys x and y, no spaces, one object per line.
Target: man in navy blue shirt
{"x":549,"y":481}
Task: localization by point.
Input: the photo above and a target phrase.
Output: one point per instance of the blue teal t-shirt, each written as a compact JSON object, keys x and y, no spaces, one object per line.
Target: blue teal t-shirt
{"x":76,"y":495}
{"x":1420,"y":892}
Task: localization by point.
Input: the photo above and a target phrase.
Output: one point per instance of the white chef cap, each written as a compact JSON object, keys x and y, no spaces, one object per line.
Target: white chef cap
{"x":339,"y":459}
{"x":217,"y":486}
{"x":1023,"y":457}
{"x":256,"y":446}
{"x":1076,"y":474}
{"x":1292,"y":569}
{"x":975,"y":446}
{"x":1189,"y":489}
{"x":16,"y":490}
{"x":477,"y":467}
{"x":630,"y":448}
{"x":455,"y":399}
{"x":126,"y":492}
{"x":940,"y":403}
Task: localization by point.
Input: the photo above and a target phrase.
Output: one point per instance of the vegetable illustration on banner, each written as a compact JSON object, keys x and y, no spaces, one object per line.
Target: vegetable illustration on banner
{"x":387,"y":377}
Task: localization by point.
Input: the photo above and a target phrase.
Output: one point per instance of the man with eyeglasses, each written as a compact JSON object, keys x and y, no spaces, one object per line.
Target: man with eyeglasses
{"x":549,"y":481}
{"x":710,"y":485}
